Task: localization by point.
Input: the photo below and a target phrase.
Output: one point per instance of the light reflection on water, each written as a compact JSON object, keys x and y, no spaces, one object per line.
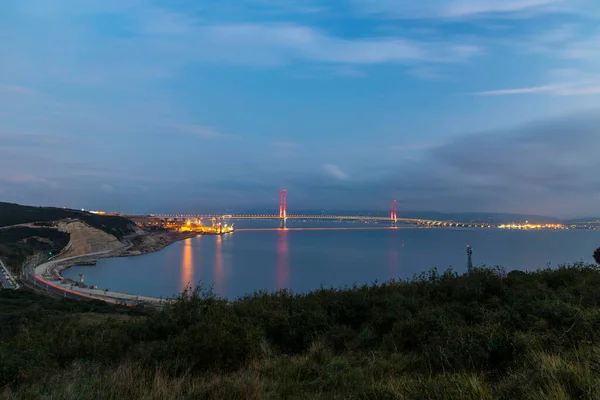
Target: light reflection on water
{"x":187,"y":264}
{"x":302,"y":260}
{"x":219,"y":265}
{"x":282,"y":271}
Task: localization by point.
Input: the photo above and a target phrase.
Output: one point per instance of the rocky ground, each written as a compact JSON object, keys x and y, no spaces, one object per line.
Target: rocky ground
{"x":86,"y":240}
{"x":153,"y":241}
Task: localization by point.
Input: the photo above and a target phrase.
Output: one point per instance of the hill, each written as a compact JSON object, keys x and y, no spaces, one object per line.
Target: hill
{"x":14,"y":214}
{"x":481,"y":217}
{"x":585,"y":220}
{"x":19,"y":242}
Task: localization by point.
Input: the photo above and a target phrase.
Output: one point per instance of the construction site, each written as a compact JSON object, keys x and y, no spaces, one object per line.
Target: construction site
{"x":217,"y":227}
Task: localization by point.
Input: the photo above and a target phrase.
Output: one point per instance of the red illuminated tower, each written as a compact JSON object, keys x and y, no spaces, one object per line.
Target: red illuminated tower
{"x":393,"y":215}
{"x":283,"y":204}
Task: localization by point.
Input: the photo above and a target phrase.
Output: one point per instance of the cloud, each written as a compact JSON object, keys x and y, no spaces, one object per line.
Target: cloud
{"x":524,"y":90}
{"x":335,"y":172}
{"x":25,"y":179}
{"x":149,"y":43}
{"x":22,"y":90}
{"x":201,"y":132}
{"x":415,"y":146}
{"x":547,"y":167}
{"x":452,"y":8}
{"x":565,"y":89}
{"x":566,"y":41}
{"x":554,"y":158}
{"x":279,"y":43}
{"x":483,"y":7}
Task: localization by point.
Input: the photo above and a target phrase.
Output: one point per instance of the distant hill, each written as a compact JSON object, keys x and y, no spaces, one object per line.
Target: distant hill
{"x":590,"y":220}
{"x":494,"y":218}
{"x":14,"y":214}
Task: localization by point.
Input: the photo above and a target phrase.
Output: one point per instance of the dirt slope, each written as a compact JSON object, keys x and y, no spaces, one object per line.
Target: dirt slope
{"x":86,"y":240}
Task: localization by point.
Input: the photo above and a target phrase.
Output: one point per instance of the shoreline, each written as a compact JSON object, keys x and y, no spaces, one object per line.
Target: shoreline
{"x":129,"y":249}
{"x":50,"y":270}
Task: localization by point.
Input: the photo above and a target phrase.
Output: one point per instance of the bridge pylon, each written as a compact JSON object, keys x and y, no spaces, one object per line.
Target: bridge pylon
{"x":283,"y":207}
{"x":393,"y":215}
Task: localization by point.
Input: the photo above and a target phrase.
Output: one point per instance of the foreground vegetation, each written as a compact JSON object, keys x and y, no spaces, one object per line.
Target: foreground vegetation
{"x":481,"y":335}
{"x":16,"y":244}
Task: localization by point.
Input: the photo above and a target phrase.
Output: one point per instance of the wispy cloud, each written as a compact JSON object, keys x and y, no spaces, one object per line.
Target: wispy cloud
{"x":14,"y":89}
{"x":564,"y":89}
{"x":28,"y":180}
{"x":568,"y":41}
{"x":415,"y":146}
{"x":452,"y":8}
{"x":160,"y":41}
{"x":335,"y":172}
{"x":483,"y":7}
{"x":281,"y":43}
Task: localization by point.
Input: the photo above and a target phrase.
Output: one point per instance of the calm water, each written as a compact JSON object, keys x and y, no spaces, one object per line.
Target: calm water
{"x":302,"y":260}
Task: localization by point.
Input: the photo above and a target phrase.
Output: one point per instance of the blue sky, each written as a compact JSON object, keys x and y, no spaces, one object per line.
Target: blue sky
{"x":165,"y":106}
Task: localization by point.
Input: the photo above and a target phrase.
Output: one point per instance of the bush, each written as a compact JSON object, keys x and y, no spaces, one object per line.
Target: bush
{"x":483,"y":334}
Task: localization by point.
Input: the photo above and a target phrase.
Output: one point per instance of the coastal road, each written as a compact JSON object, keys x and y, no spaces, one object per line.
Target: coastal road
{"x":76,"y":293}
{"x":43,"y":276}
{"x":7,"y":280}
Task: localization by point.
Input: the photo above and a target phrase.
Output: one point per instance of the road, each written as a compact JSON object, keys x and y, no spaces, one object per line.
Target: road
{"x":38,"y":276}
{"x":6,"y":278}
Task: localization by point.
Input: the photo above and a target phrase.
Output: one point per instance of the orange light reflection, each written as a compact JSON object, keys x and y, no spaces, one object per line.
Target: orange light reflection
{"x":187,"y":264}
{"x":219,"y":266}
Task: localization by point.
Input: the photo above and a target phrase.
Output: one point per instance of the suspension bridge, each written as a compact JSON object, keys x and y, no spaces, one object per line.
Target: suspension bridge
{"x":283,"y":216}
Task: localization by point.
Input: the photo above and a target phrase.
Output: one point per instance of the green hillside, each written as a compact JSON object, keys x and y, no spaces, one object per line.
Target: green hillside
{"x":19,"y":242}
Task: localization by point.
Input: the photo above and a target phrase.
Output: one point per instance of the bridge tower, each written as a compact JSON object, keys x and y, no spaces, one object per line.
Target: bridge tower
{"x":283,"y":206}
{"x":393,"y":216}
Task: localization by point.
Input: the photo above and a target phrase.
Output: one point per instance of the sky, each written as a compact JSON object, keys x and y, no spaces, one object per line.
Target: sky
{"x":190,"y":106}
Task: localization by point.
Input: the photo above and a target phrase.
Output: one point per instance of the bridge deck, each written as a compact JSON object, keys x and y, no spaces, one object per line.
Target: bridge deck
{"x":413,"y":221}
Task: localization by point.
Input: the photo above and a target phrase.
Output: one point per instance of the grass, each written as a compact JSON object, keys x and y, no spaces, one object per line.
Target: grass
{"x":481,"y":335}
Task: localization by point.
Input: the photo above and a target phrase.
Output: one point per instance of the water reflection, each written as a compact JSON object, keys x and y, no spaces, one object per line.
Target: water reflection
{"x":187,"y":264}
{"x":282,"y":271}
{"x":218,"y":275}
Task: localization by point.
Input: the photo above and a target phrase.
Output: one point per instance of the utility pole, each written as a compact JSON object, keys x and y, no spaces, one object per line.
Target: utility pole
{"x":469,"y":259}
